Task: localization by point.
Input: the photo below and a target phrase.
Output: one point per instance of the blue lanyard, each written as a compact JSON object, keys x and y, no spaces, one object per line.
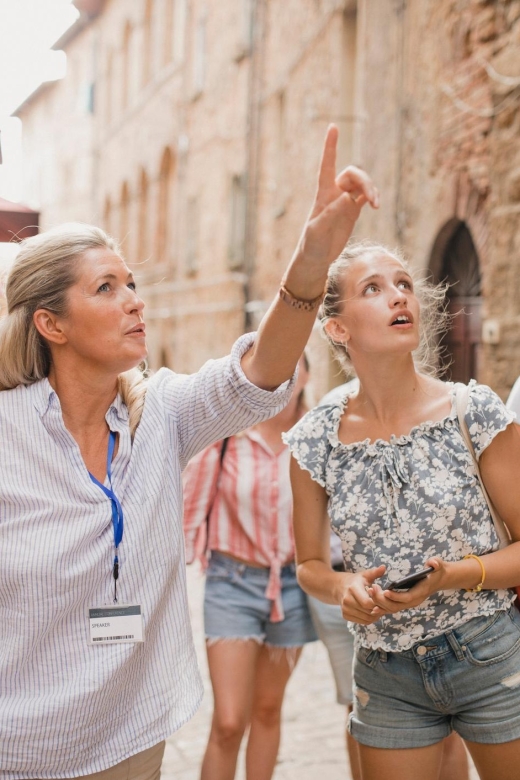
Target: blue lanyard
{"x":117,"y":509}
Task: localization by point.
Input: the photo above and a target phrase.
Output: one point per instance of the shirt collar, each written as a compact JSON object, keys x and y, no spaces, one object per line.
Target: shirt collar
{"x":46,"y":398}
{"x":252,"y":434}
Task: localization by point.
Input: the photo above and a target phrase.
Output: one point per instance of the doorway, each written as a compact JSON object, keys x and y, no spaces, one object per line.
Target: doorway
{"x":455,"y":261}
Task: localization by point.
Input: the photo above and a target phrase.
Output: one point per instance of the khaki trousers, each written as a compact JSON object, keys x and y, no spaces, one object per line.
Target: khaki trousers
{"x":142,"y":766}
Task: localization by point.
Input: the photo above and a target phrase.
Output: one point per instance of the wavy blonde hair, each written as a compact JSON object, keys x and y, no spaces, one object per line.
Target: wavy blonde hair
{"x":45,"y":268}
{"x":434,"y":318}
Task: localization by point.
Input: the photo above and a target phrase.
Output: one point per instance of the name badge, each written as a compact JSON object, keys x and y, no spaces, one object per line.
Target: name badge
{"x":114,"y":625}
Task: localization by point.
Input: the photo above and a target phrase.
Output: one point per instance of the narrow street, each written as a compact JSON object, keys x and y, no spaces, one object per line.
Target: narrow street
{"x":313,"y":731}
{"x":313,"y":724}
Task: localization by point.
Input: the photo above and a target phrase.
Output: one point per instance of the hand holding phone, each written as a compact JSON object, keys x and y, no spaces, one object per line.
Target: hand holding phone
{"x":412,"y":579}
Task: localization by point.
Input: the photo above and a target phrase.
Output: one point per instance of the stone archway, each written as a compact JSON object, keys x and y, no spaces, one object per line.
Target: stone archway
{"x":455,"y":260}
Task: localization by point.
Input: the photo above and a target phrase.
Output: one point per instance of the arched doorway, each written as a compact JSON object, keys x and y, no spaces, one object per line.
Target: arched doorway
{"x":455,"y":261}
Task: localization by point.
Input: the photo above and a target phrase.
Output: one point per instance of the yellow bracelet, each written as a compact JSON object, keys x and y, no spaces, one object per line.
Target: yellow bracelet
{"x":478,"y":588}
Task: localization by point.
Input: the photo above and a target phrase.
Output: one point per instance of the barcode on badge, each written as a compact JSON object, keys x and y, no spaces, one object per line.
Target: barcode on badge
{"x":112,"y":638}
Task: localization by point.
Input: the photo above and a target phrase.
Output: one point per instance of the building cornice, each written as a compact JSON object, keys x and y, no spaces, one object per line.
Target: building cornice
{"x":89,"y":10}
{"x":43,"y":87}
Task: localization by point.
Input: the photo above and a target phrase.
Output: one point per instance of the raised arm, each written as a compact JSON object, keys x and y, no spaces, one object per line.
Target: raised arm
{"x":285,"y":329}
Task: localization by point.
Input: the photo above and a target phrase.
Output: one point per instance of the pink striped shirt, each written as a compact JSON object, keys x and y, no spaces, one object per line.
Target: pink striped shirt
{"x":251,"y":513}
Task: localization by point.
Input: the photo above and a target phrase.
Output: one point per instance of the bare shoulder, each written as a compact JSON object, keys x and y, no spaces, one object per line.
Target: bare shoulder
{"x":395,"y":413}
{"x":435,"y":397}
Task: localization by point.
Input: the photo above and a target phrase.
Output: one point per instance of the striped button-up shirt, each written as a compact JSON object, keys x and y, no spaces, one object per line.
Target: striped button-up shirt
{"x":250,"y":503}
{"x":68,"y":708}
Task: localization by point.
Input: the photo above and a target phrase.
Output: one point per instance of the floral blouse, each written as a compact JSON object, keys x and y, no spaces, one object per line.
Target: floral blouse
{"x":401,"y":501}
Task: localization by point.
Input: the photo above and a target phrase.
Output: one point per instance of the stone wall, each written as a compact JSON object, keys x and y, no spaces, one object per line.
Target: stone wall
{"x":202,"y":150}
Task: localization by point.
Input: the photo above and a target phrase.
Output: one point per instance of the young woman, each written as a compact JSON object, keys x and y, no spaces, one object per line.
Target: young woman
{"x":256,"y":616}
{"x":97,"y":664}
{"x":333,"y":630}
{"x":391,"y":468}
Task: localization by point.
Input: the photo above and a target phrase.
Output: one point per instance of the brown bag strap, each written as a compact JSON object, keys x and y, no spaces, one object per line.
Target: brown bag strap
{"x":461,"y":402}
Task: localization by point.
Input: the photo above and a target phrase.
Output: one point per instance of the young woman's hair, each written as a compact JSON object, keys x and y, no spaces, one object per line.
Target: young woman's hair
{"x":434,"y":319}
{"x":45,"y":268}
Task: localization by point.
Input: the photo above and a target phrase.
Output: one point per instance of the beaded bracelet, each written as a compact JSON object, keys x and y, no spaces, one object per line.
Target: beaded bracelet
{"x":299,"y":303}
{"x":478,"y":588}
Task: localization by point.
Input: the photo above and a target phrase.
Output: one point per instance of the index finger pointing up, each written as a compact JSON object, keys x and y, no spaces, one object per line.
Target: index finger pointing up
{"x":327,"y":175}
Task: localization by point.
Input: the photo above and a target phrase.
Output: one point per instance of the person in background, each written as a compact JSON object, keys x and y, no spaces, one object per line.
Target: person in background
{"x":335,"y":634}
{"x":238,"y":510}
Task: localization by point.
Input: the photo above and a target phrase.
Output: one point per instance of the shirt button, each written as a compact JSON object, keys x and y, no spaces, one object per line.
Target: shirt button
{"x":421,"y":650}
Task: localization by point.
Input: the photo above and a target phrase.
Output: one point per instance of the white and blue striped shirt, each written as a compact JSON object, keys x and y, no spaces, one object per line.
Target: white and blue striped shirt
{"x":68,"y":708}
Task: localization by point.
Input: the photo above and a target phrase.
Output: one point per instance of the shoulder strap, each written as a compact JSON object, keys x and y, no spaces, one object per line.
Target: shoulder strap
{"x":461,"y":401}
{"x":223,"y":449}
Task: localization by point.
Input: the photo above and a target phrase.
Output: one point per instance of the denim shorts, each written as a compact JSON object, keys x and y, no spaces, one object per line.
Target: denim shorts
{"x":467,"y":679}
{"x":235,"y":605}
{"x":339,"y":641}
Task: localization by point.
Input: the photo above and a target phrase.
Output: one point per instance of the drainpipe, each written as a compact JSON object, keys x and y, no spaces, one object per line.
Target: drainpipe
{"x":253,"y":127}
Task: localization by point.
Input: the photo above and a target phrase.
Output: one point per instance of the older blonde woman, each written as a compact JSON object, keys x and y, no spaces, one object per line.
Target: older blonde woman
{"x":97,"y":664}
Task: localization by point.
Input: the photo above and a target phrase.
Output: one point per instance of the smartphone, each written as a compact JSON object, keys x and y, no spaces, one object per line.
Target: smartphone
{"x":408,"y":582}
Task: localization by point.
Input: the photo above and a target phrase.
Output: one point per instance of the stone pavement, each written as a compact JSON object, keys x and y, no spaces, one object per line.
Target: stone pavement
{"x":313,"y":731}
{"x":313,"y":724}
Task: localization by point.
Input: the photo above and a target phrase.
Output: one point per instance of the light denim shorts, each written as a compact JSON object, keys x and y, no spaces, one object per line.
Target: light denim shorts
{"x":467,"y":679}
{"x":339,"y":641}
{"x":235,"y":605}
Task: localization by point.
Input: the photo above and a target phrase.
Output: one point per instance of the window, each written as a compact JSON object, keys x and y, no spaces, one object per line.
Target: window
{"x":142,"y":239}
{"x":169,"y":13}
{"x":237,"y":242}
{"x":164,"y":211}
{"x":90,"y":97}
{"x":199,"y":57}
{"x":127,"y":65}
{"x":247,"y":27}
{"x":107,"y":216}
{"x":108,"y":86}
{"x":147,"y":41}
{"x":281,"y":151}
{"x":192,"y":237}
{"x":179,"y":29}
{"x":124,"y":219}
{"x":347,"y":120}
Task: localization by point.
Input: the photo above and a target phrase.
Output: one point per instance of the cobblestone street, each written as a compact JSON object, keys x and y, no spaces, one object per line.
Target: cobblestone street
{"x":313,"y":724}
{"x":313,"y":731}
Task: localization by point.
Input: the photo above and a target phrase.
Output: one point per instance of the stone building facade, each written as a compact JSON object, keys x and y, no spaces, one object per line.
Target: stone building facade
{"x":192,"y":131}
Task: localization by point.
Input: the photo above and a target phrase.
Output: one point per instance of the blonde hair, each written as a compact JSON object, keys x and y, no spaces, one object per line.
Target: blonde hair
{"x":44,"y":270}
{"x":434,"y":319}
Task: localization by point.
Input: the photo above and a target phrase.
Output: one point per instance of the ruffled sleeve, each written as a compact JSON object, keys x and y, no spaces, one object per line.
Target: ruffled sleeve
{"x":309,"y":441}
{"x":485,"y":416}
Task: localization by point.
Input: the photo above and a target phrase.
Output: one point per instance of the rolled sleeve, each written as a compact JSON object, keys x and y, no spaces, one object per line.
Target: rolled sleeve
{"x":217,"y":401}
{"x":253,"y":395}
